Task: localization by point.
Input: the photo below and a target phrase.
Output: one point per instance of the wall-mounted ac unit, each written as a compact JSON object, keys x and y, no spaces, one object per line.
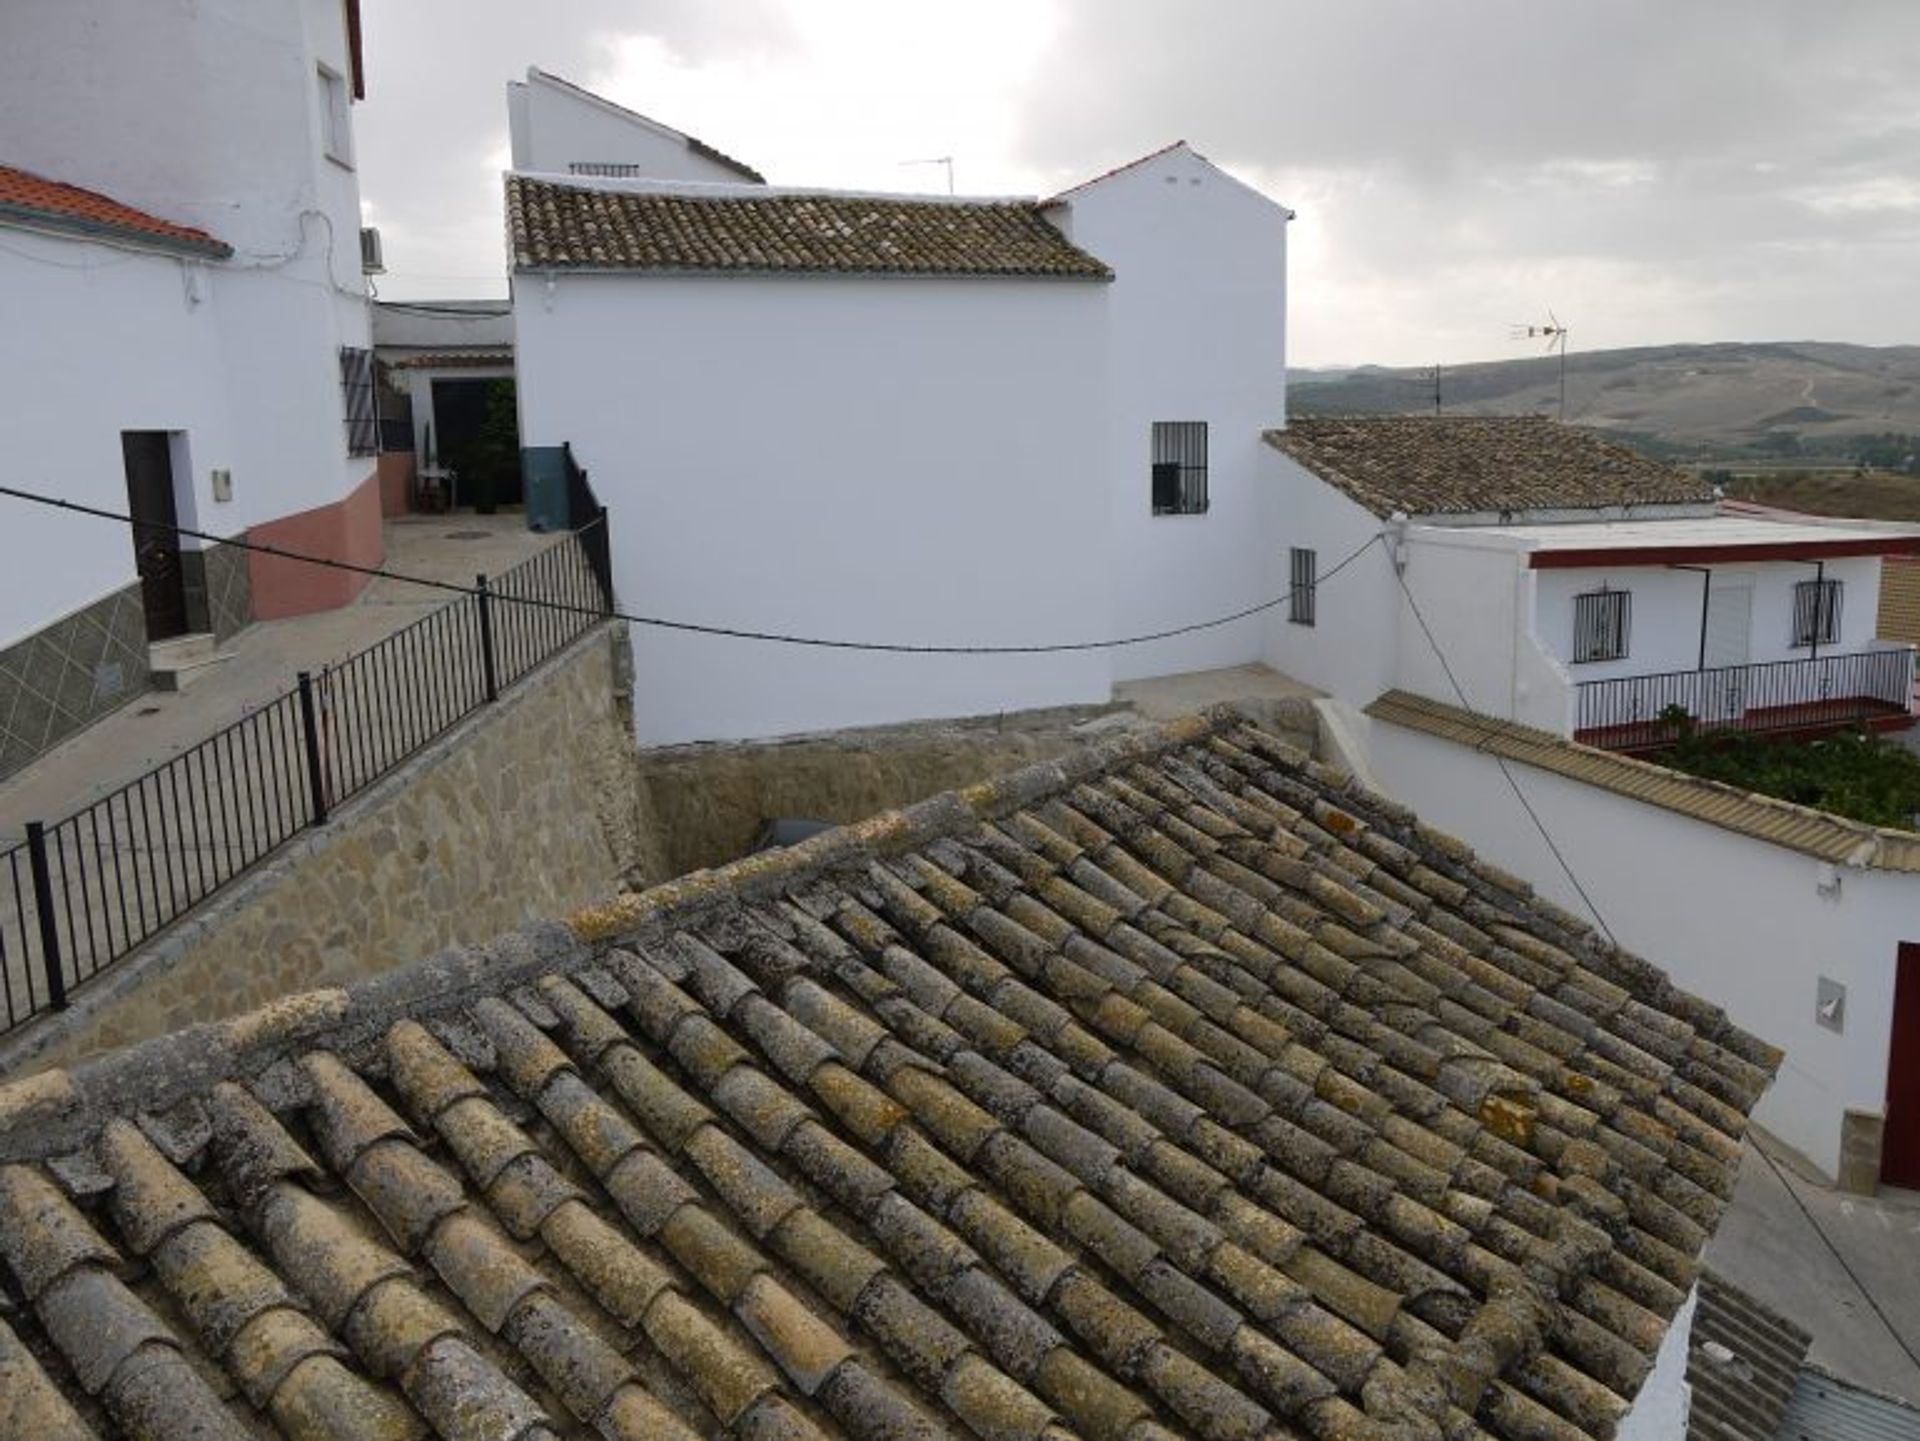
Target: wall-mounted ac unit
{"x":371,"y":262}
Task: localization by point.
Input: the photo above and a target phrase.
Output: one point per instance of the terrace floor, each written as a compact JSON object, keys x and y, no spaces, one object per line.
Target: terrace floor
{"x":1804,"y":719}
{"x":264,"y":661}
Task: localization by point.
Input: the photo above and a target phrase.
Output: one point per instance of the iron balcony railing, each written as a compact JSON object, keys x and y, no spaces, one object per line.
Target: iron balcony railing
{"x":81,"y":893}
{"x":1645,"y":712}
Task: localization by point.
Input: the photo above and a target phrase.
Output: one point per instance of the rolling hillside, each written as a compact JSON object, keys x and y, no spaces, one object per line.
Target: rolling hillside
{"x":1805,"y":400}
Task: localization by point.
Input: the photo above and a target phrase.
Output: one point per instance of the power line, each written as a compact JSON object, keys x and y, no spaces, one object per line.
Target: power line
{"x":664,"y":623}
{"x":1845,"y":1265}
{"x":1501,"y":761}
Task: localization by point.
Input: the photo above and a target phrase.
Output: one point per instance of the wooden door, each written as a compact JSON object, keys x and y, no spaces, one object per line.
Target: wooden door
{"x":1900,"y":1150}
{"x":156,"y":548}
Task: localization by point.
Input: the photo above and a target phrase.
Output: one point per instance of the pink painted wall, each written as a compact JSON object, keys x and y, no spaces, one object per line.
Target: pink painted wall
{"x":396,"y":481}
{"x":348,"y":530}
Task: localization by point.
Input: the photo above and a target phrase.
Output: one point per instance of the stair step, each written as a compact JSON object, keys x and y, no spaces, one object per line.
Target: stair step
{"x":179,"y":674}
{"x":178,"y":649}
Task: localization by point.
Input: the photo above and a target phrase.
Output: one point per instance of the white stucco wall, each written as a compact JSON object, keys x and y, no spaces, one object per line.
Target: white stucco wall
{"x":1198,"y":332}
{"x":1477,"y":596}
{"x":1741,"y":922}
{"x":1659,"y":1412}
{"x":1351,"y":650}
{"x":907,"y":460}
{"x":1666,"y":611}
{"x":552,"y":125}
{"x":150,"y":360}
{"x":207,"y":114}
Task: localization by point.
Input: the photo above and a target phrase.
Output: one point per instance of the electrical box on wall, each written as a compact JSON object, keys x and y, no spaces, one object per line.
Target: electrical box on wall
{"x":1830,"y":1005}
{"x":223,"y":485}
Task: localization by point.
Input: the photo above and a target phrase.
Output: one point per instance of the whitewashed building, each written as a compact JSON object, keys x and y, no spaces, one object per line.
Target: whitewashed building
{"x":1522,"y":608}
{"x":912,"y":421}
{"x":180,"y":265}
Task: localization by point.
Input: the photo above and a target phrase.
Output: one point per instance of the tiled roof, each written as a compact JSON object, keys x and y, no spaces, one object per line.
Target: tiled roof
{"x":1742,"y":1364}
{"x":557,"y":225}
{"x":1816,"y":833}
{"x":1451,"y":465}
{"x":1177,"y":1089}
{"x":452,"y":359}
{"x":53,"y":205}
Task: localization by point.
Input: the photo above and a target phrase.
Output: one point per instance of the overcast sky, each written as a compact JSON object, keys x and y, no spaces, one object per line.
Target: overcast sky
{"x":1673,"y":170}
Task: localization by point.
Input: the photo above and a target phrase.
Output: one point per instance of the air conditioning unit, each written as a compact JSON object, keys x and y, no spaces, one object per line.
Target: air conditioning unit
{"x":371,"y":262}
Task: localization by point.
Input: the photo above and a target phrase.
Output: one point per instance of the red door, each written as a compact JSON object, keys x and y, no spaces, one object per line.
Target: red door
{"x":1900,"y":1151}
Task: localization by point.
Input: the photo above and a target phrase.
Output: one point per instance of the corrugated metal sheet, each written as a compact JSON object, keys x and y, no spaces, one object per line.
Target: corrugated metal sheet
{"x":1742,"y":1363}
{"x":1825,"y":1408}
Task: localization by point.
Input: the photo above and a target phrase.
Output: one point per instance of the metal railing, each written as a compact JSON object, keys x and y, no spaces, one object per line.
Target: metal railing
{"x":81,"y":893}
{"x":1644,"y":712}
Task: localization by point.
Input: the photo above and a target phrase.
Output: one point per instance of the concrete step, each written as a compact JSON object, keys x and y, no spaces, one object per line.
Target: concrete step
{"x":184,"y":660}
{"x":180,"y":650}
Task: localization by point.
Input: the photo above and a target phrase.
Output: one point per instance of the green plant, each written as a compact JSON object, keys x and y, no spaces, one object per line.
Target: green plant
{"x":1856,"y":774}
{"x":494,"y":455}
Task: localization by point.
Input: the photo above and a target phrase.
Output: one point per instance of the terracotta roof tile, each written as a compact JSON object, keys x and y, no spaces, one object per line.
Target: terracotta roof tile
{"x":51,"y":204}
{"x":1201,"y":1094}
{"x":558,"y":226}
{"x":1445,"y":465}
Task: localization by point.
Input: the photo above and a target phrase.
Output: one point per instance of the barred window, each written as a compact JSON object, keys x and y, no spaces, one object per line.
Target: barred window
{"x":1816,"y":612}
{"x":1303,"y":586}
{"x":362,"y":407}
{"x":1601,"y":622}
{"x":1179,"y":467}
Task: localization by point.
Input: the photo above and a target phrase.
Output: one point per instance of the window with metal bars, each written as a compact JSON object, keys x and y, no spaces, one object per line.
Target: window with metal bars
{"x":1303,"y":586}
{"x":1816,"y":612}
{"x":1602,"y":620}
{"x":1179,"y":467}
{"x":361,"y":403}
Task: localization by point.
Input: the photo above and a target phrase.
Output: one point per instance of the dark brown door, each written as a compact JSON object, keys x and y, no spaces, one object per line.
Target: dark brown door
{"x":156,"y":549}
{"x":1900,"y":1151}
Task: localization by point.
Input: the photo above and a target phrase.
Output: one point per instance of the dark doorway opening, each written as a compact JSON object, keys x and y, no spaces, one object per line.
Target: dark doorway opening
{"x":477,"y":436}
{"x":156,"y":545}
{"x":1900,"y":1145}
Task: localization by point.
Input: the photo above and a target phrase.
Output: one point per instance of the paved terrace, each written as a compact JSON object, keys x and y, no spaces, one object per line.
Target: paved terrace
{"x":266,"y":659}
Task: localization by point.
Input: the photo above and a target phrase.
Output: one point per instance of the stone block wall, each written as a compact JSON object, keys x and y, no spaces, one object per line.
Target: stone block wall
{"x":496,"y":824}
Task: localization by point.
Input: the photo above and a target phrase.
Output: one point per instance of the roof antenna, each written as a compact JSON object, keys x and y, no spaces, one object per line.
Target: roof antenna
{"x":946,"y":160}
{"x":1555,"y":335}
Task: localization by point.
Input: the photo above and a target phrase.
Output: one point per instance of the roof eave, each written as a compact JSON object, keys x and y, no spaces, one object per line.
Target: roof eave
{"x":74,"y":226}
{"x":1725,"y":552}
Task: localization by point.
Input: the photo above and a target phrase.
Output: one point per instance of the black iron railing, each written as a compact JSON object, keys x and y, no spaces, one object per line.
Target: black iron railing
{"x":1644,"y":712}
{"x":81,"y":893}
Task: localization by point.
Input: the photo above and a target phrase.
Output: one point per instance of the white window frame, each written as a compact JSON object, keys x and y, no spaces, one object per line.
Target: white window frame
{"x":336,"y":118}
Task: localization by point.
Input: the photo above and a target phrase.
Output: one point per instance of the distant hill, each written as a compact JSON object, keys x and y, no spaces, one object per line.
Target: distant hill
{"x":1776,"y":401}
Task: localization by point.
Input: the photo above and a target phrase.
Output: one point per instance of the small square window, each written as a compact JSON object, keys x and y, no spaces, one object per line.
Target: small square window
{"x":1816,"y":612}
{"x":1602,"y":620}
{"x":1179,"y":467}
{"x":336,"y":126}
{"x":1303,"y":586}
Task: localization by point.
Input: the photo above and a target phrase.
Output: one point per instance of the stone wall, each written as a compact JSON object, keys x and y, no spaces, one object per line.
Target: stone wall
{"x":496,"y":824}
{"x":706,"y":804}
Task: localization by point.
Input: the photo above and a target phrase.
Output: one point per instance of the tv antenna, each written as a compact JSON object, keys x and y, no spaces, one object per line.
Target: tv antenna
{"x":1555,"y":334}
{"x":946,"y":160}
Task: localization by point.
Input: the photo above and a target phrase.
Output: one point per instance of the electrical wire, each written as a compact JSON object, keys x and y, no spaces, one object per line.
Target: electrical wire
{"x":664,"y":623}
{"x":1501,"y":761}
{"x":1845,"y":1265}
